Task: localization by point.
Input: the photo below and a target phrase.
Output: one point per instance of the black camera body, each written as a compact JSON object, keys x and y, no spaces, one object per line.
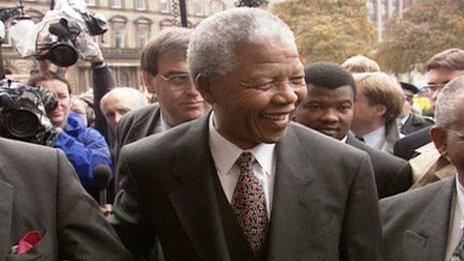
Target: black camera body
{"x":21,"y":107}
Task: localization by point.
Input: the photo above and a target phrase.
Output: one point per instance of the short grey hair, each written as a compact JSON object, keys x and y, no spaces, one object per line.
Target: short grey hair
{"x":450,"y":103}
{"x":211,"y":49}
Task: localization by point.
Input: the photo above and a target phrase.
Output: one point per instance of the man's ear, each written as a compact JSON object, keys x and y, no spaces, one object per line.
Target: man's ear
{"x":204,"y":86}
{"x":439,"y":138}
{"x":148,"y":82}
{"x":381,"y":109}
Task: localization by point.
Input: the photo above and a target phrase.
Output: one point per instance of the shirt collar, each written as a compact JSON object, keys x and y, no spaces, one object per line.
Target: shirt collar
{"x":376,"y":138}
{"x":225,"y":153}
{"x":460,"y":201}
{"x":163,"y":125}
{"x":343,"y":140}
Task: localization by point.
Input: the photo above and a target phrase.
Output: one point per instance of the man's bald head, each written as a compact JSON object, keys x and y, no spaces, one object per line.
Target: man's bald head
{"x":120,"y":101}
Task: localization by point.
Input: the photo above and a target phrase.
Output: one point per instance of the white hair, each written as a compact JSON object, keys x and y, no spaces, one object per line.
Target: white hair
{"x":450,"y":103}
{"x":211,"y":48}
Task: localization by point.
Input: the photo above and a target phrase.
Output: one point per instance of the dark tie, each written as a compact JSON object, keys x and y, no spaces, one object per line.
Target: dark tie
{"x":249,"y":204}
{"x":458,"y":254}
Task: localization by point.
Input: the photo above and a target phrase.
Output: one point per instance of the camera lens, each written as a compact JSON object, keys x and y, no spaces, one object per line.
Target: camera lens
{"x":63,"y":54}
{"x":22,"y":124}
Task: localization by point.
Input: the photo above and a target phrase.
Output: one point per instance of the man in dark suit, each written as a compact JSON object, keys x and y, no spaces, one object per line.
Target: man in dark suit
{"x":426,"y":223}
{"x":43,"y":203}
{"x":243,"y":182}
{"x":409,"y":121}
{"x":441,"y":69}
{"x":329,"y":107}
{"x":164,"y":71}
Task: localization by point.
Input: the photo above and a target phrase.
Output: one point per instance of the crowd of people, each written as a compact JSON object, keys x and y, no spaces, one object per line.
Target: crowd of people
{"x":247,"y":154}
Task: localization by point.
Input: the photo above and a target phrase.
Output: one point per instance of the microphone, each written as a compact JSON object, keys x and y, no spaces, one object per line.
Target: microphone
{"x":102,"y":174}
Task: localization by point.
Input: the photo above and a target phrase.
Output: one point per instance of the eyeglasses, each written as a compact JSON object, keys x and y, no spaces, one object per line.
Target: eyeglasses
{"x":177,"y":80}
{"x":434,"y":87}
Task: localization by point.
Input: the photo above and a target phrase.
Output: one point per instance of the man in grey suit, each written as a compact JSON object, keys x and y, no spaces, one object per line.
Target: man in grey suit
{"x":243,"y":182}
{"x":328,"y":109}
{"x":426,"y":223}
{"x":164,"y":72}
{"x":44,"y":204}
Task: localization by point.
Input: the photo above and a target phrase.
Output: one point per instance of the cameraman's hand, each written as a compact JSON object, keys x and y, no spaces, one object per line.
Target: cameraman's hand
{"x":88,"y":49}
{"x":50,"y":132}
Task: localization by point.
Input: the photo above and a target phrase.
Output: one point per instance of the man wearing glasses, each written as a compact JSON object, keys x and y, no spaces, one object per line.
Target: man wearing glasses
{"x":164,"y":72}
{"x":441,"y":69}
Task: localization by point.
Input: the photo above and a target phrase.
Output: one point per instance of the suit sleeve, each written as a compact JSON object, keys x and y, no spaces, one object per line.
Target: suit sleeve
{"x":362,"y":234}
{"x":128,"y":218}
{"x":83,"y":232}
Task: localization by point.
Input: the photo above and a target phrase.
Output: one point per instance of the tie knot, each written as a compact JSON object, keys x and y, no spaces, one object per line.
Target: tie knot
{"x":245,"y":161}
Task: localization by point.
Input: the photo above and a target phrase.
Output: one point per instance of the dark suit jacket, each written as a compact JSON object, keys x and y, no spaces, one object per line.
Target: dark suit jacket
{"x":415,"y":123}
{"x":39,"y":190}
{"x":136,"y":125}
{"x":405,"y":147}
{"x":324,"y":199}
{"x":392,"y":174}
{"x":415,"y":223}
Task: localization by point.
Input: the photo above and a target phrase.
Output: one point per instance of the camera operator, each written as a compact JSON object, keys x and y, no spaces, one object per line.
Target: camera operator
{"x":86,"y":148}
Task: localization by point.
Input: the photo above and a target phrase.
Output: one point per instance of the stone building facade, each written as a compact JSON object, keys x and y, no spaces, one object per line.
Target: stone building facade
{"x":131,"y":24}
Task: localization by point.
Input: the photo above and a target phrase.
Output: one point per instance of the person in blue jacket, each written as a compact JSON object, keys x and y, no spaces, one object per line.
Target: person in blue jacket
{"x":86,"y":148}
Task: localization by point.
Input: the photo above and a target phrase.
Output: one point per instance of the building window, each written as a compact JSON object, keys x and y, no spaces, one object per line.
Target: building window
{"x":164,"y":6}
{"x":116,"y":3}
{"x":143,"y":34}
{"x":197,"y":7}
{"x":140,"y":4}
{"x":216,"y":7}
{"x":118,"y":36}
{"x":164,"y":24}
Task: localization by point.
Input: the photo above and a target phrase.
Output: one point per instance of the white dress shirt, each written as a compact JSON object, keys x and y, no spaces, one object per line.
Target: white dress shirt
{"x":376,"y":138}
{"x":225,"y":154}
{"x":457,"y":220}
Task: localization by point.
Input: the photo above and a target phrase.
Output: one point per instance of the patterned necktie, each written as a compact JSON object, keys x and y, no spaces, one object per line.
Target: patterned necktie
{"x":249,"y":204}
{"x":458,"y":254}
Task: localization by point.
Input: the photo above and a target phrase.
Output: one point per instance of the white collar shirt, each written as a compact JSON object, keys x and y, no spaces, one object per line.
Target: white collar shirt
{"x":456,"y":224}
{"x":376,"y":138}
{"x":225,"y":154}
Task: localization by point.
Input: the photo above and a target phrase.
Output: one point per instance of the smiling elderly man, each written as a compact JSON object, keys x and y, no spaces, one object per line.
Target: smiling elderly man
{"x":243,"y":182}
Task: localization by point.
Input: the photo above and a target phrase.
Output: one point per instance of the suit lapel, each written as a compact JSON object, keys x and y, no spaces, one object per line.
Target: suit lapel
{"x":146,"y":127}
{"x":195,"y":199}
{"x":295,"y":213}
{"x":6,"y":212}
{"x":428,"y":239}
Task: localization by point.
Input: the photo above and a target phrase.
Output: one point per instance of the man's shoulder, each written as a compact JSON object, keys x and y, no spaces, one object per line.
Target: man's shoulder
{"x":310,"y":136}
{"x":383,"y":158}
{"x":14,"y":148}
{"x":413,"y":201}
{"x":140,"y":114}
{"x":158,"y":143}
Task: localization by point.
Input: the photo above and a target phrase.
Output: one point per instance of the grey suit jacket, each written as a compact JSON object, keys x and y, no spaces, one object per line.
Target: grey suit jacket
{"x":324,"y":204}
{"x":415,"y":223}
{"x":39,"y":190}
{"x":136,"y":125}
{"x":392,"y":174}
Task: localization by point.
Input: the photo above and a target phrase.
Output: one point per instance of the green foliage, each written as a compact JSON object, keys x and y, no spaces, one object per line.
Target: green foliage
{"x":328,"y":30}
{"x":428,"y":27}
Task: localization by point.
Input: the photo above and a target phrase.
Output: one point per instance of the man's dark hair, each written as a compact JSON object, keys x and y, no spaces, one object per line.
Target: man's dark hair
{"x":328,"y":75}
{"x":36,"y":78}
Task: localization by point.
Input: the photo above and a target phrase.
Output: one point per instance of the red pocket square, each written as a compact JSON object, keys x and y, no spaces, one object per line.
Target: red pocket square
{"x":28,"y":241}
